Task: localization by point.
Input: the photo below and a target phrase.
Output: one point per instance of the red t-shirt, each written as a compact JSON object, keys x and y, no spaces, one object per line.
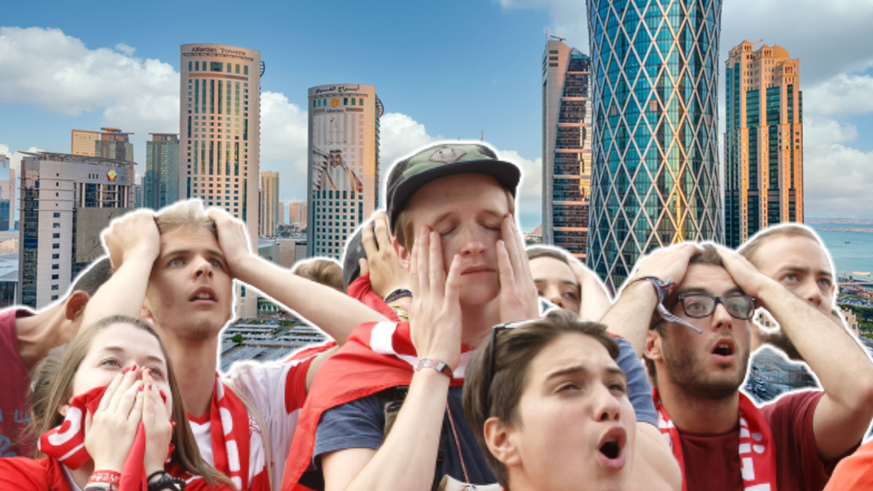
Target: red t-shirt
{"x":712,"y":462}
{"x":22,"y":474}
{"x":14,"y":387}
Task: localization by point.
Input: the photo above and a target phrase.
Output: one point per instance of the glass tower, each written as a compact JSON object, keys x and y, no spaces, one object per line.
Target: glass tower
{"x":566,"y":147}
{"x":654,"y":150}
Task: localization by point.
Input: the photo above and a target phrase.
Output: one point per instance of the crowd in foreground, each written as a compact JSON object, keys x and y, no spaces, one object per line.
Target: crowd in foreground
{"x":459,"y":360}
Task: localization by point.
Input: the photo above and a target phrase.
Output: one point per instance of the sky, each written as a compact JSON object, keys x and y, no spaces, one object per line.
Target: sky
{"x":444,"y":70}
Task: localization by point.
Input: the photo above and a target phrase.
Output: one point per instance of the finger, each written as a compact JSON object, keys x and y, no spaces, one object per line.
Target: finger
{"x":510,"y":242}
{"x":127,"y":382}
{"x":135,"y":414}
{"x":504,"y":267}
{"x":368,"y":241}
{"x":127,"y":401}
{"x":110,"y":390}
{"x":435,"y":262}
{"x":364,"y":266}
{"x":148,"y":416}
{"x":88,"y":420}
{"x":383,"y":238}
{"x":423,"y":250}
{"x":453,"y":282}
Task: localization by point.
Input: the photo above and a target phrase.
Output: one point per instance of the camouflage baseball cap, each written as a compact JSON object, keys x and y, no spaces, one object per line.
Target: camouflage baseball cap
{"x":445,"y":159}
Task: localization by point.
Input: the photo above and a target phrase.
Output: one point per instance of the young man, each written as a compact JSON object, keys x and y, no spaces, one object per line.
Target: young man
{"x":450,"y":207}
{"x":178,"y":267}
{"x":549,"y":406}
{"x":720,"y":438}
{"x":25,"y":339}
{"x":793,"y":255}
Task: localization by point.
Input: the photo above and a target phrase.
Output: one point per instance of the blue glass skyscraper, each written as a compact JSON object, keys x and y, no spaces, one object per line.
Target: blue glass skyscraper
{"x":654,"y":65}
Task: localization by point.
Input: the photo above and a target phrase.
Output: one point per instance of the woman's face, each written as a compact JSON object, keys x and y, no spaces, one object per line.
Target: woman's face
{"x":116,"y":347}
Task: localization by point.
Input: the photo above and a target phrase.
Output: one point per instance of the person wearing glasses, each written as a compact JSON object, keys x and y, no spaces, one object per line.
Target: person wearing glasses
{"x":696,"y":344}
{"x":549,"y":406}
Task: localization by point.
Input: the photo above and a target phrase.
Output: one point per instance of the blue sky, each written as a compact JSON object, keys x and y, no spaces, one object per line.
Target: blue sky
{"x":446,"y":69}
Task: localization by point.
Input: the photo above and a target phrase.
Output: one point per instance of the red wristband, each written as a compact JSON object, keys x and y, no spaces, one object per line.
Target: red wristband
{"x":109,"y":477}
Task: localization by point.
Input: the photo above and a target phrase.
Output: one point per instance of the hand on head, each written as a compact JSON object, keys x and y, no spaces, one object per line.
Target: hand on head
{"x":132,"y":234}
{"x":518,"y":292}
{"x":232,"y":238}
{"x":386,"y":271}
{"x":667,"y":263}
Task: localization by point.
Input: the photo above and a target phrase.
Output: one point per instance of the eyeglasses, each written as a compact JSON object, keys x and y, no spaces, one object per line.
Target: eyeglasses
{"x":698,"y":305}
{"x":490,"y":373}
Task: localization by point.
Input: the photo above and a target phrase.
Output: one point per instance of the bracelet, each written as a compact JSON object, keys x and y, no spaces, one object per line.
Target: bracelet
{"x":662,"y":289}
{"x":397,"y":293}
{"x":167,"y":482}
{"x":104,"y":480}
{"x":436,"y":365}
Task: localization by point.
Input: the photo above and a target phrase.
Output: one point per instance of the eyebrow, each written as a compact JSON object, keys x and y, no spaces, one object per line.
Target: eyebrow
{"x":803,"y":269}
{"x":574,"y":369}
{"x":699,"y":289}
{"x":182,"y":252}
{"x":118,"y":349}
{"x":442,"y":217}
{"x":563,"y":282}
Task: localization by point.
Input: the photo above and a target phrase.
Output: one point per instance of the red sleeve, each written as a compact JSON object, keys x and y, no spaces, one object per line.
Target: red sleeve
{"x":23,"y":474}
{"x":797,"y":459}
{"x":295,"y":385}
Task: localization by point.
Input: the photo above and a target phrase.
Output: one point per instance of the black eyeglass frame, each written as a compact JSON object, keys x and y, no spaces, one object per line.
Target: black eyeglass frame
{"x":490,"y":373}
{"x":716,"y":300}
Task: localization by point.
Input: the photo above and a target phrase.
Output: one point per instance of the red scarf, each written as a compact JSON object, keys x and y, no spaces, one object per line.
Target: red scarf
{"x":360,"y":291}
{"x":377,"y":356}
{"x":66,"y":443}
{"x":231,"y":427}
{"x":757,"y":455}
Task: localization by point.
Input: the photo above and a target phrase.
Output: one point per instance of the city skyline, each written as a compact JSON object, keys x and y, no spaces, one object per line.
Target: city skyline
{"x":490,"y":84}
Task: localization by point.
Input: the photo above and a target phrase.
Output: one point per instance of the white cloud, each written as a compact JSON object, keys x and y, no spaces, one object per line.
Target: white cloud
{"x":16,"y":156}
{"x":400,"y":135}
{"x":843,"y":94}
{"x":569,"y":18}
{"x":530,"y":190}
{"x":59,"y":73}
{"x":283,"y":130}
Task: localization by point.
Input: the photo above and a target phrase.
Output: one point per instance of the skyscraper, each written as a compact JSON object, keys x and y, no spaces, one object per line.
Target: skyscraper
{"x":269,"y":204}
{"x":66,"y":201}
{"x":343,"y":183}
{"x":114,"y":145}
{"x":219,"y":151}
{"x":161,"y":180}
{"x":281,"y":218}
{"x":566,"y":147}
{"x":83,"y":142}
{"x":763,"y":142}
{"x":297,"y":213}
{"x":654,"y":152}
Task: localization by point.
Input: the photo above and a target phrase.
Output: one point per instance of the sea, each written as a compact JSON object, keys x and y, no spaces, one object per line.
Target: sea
{"x":850,"y":251}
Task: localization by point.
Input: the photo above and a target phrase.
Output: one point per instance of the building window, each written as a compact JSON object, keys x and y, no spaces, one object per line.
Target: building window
{"x":55,"y":276}
{"x":56,"y":235}
{"x":56,"y":266}
{"x":56,"y":256}
{"x":56,"y":215}
{"x":54,"y":287}
{"x":215,"y":66}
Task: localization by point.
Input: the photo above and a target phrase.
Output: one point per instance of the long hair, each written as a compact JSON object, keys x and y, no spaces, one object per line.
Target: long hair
{"x":48,"y":397}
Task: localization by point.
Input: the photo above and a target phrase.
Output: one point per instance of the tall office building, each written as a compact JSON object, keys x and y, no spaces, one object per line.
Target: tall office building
{"x":297,"y":213}
{"x":269,"y":204}
{"x":343,"y":183}
{"x":7,"y":198}
{"x":114,"y":145}
{"x":219,"y":145}
{"x":282,"y":213}
{"x":566,"y":147}
{"x":66,"y":201}
{"x":84,"y":142}
{"x":654,"y":164}
{"x":161,"y":180}
{"x":764,"y":141}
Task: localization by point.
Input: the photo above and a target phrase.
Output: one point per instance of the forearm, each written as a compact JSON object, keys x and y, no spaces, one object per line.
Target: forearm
{"x":841,"y":364}
{"x":123,"y":293}
{"x":407,"y":458}
{"x":595,"y":300}
{"x":654,"y":466}
{"x":337,"y":314}
{"x":630,"y":315}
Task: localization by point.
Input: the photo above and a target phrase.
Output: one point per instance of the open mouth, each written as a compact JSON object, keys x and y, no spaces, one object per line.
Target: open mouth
{"x":610,"y":450}
{"x":724,"y":347}
{"x":203,"y":294}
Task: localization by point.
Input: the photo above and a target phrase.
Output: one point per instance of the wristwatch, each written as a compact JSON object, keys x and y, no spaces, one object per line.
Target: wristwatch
{"x":436,"y":365}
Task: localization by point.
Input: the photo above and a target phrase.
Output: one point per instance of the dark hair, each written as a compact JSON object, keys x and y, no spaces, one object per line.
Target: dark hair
{"x":708,"y":256}
{"x":323,"y":271}
{"x":513,"y":352}
{"x":93,"y":278}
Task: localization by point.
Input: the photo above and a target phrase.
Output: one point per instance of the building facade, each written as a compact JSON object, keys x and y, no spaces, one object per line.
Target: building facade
{"x":297,"y":213}
{"x":343,"y":182}
{"x":161,"y":180}
{"x":282,"y":206}
{"x":219,"y":143}
{"x":269,"y":204}
{"x":566,"y":147}
{"x":655,"y":179}
{"x":763,"y":141}
{"x":84,"y":142}
{"x":66,"y":201}
{"x":114,"y":145}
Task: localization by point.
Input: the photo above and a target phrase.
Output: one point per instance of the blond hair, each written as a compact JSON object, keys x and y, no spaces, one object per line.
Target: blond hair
{"x":185,"y":214}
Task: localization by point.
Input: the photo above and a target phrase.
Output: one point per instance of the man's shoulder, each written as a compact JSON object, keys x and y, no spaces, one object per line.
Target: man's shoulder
{"x":792,"y":402}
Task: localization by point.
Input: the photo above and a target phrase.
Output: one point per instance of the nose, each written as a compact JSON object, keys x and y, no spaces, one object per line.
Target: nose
{"x":203,"y":268}
{"x":553,"y":295}
{"x":721,"y":319}
{"x":473,"y":241}
{"x":812,"y":292}
{"x":608,"y":407}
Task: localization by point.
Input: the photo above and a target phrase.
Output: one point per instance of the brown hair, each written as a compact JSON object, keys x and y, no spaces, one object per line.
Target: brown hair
{"x":54,"y":384}
{"x":92,"y":278}
{"x":709,"y":256}
{"x":538,"y":251}
{"x":323,"y":271}
{"x":403,"y":225}
{"x":513,"y":352}
{"x":751,"y":246}
{"x":185,"y":214}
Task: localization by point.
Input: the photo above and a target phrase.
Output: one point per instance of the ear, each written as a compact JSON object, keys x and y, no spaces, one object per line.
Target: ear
{"x":403,"y":254}
{"x":653,"y":349}
{"x":502,"y":442}
{"x":74,"y":305}
{"x":146,"y":314}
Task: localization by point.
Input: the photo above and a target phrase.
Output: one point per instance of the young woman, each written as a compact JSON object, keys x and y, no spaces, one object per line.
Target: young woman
{"x":114,"y":395}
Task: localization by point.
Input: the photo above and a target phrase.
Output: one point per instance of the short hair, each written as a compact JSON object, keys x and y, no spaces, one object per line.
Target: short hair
{"x":513,"y":352}
{"x":321,"y":270}
{"x":403,"y":225}
{"x":185,"y":214}
{"x":709,"y":256}
{"x":749,"y":249}
{"x":538,"y":251}
{"x":90,"y":280}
